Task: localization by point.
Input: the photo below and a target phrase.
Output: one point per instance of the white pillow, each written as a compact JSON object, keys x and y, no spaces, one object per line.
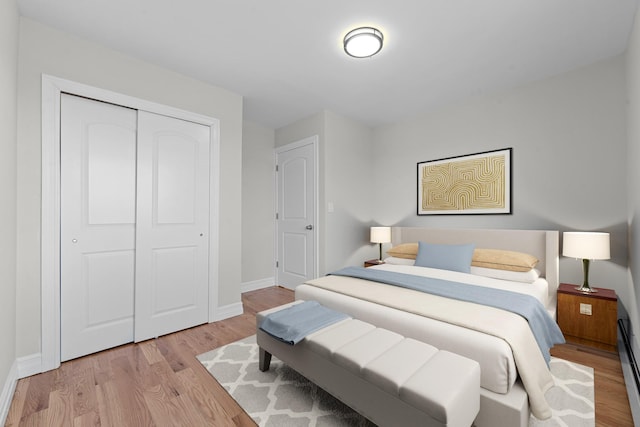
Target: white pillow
{"x":399,"y":261}
{"x":514,"y":276}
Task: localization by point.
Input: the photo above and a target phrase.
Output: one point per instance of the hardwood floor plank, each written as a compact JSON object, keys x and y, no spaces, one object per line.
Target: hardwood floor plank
{"x":37,"y":398}
{"x":104,"y":412}
{"x":243,"y":420}
{"x":126,"y":392}
{"x":164,"y":408}
{"x":142,"y":373}
{"x":151,"y":352}
{"x":216,"y":411}
{"x":61,"y":408}
{"x":112,"y":411}
{"x":168,"y":380}
{"x":17,"y":403}
{"x":101,"y":369}
{"x":172,"y":357}
{"x":160,"y":382}
{"x":89,"y":419}
{"x":36,"y":419}
{"x":83,"y":392}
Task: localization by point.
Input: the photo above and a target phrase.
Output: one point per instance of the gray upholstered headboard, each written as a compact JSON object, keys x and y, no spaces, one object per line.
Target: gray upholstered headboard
{"x":543,"y":244}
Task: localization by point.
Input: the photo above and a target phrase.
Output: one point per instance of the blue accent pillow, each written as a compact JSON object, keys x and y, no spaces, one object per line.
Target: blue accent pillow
{"x":445,"y":257}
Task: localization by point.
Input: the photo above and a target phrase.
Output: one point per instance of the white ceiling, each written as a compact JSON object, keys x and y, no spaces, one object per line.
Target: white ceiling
{"x":285,"y":57}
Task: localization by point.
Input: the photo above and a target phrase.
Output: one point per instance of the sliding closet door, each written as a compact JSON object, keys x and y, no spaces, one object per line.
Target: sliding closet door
{"x":172,"y":225}
{"x":98,"y":210}
{"x":134,"y":225}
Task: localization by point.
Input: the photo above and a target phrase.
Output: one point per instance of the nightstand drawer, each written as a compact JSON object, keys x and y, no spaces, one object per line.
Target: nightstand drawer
{"x":589,"y":319}
{"x":373,"y":262}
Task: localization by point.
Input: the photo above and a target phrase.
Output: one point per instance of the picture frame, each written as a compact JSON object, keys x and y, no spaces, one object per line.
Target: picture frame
{"x":471,"y":184}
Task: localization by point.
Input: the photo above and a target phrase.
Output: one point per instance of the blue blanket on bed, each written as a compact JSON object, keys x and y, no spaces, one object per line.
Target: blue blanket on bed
{"x":292,"y":324}
{"x":545,"y":330}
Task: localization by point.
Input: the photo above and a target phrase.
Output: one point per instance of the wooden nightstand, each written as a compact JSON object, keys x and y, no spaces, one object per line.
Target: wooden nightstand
{"x":599,"y":329}
{"x":373,"y":262}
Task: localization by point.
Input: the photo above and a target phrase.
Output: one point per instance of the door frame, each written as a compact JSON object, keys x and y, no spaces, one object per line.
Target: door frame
{"x":52,"y":87}
{"x":312,"y":140}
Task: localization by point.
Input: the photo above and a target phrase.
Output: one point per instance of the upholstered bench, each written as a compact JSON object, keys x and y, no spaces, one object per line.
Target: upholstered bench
{"x":390,"y":379}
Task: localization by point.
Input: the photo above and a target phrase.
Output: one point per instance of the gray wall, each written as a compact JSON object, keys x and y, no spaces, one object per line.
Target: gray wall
{"x":345,"y":179}
{"x":258,"y":208}
{"x":9,"y":23}
{"x":49,"y":51}
{"x":568,"y":135}
{"x":633,"y":161}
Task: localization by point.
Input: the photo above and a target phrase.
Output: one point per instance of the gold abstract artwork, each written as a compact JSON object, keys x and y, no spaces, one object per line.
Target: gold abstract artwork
{"x":471,"y":184}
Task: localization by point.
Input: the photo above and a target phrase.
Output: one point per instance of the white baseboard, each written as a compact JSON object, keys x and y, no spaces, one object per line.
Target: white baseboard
{"x":227,"y":311}
{"x":257,"y":284}
{"x":29,"y":365}
{"x":7,"y":392}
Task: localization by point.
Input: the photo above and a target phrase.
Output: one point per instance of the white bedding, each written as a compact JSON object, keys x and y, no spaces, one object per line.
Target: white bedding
{"x":494,"y":354}
{"x":498,"y":368}
{"x":538,"y":289}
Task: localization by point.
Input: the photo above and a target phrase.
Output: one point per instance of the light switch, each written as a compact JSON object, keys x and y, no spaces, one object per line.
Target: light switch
{"x":585,"y":309}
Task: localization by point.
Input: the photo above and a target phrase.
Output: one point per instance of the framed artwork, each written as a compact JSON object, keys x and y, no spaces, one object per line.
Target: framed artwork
{"x":475,"y":184}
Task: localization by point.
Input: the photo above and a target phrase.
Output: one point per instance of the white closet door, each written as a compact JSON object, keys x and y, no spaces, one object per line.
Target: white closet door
{"x":98,"y":208}
{"x":172,"y":225}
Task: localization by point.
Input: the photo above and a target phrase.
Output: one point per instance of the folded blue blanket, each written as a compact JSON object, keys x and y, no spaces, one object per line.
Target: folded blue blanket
{"x":292,"y":324}
{"x":545,"y":330}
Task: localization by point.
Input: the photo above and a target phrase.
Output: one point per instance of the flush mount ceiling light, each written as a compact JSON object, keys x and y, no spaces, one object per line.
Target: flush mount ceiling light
{"x":363,"y":42}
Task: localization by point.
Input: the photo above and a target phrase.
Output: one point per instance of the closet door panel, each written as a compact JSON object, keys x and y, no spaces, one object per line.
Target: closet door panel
{"x":111,"y":171}
{"x":172,"y":233}
{"x":171,"y":266}
{"x":176,"y":170}
{"x":98,"y":185}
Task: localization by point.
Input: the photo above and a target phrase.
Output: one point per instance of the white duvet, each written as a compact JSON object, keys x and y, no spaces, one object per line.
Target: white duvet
{"x":495,"y":355}
{"x":538,"y":289}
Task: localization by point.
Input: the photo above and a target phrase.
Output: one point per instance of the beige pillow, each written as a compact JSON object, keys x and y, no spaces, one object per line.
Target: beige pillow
{"x":405,"y":250}
{"x":503,"y":260}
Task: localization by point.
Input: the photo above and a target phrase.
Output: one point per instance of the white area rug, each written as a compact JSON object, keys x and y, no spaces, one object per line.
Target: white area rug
{"x":282,"y":397}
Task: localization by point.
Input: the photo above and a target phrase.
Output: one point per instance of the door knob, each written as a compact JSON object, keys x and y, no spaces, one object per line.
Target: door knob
{"x":309,"y":227}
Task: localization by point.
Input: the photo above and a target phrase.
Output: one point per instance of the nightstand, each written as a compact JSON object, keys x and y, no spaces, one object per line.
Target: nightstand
{"x":588,"y":318}
{"x":373,"y":262}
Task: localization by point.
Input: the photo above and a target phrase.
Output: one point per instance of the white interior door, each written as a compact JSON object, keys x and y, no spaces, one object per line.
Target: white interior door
{"x":134,"y":225}
{"x":98,"y":209}
{"x":172,"y":232}
{"x":296,"y":207}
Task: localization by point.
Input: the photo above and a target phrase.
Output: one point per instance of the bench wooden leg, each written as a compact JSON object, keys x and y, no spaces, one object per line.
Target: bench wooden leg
{"x":265,"y":360}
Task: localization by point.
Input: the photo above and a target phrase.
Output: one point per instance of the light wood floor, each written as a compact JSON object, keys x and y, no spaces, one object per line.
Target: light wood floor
{"x":160,"y":382}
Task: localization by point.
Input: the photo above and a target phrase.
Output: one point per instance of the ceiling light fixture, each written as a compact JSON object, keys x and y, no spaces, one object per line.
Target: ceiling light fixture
{"x":363,"y":42}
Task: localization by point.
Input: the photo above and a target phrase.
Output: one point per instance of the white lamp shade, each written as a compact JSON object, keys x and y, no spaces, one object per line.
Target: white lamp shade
{"x":380,"y":234}
{"x":585,"y":245}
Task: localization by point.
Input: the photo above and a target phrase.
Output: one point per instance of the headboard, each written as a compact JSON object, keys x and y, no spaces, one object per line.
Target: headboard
{"x":543,"y":244}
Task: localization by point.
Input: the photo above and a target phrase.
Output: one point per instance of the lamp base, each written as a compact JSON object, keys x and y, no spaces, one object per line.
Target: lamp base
{"x":585,"y":288}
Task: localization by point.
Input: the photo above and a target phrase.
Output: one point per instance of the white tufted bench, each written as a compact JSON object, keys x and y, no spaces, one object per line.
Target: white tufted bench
{"x":390,"y":379}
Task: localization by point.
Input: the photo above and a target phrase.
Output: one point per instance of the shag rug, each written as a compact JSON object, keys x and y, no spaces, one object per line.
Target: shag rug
{"x":282,"y":397}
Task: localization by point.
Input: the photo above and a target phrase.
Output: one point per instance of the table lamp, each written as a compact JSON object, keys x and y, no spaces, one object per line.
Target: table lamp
{"x":588,"y":246}
{"x":380,"y":235}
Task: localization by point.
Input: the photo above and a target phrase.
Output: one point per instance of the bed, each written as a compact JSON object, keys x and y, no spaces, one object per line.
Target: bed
{"x":510,"y":390}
